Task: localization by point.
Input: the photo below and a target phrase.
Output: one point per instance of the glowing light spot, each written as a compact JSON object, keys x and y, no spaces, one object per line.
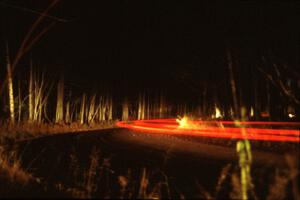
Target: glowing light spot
{"x":218,"y":113}
{"x":291,"y":115}
{"x":183,"y":122}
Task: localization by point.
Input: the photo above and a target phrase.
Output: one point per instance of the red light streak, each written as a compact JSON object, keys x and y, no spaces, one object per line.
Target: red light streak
{"x":211,"y":129}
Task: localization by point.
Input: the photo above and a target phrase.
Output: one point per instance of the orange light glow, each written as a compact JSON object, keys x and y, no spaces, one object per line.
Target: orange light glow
{"x":185,"y":123}
{"x":212,"y":129}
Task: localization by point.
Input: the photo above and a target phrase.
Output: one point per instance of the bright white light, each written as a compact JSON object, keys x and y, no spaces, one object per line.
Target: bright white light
{"x":218,"y":113}
{"x":186,"y":123}
{"x":252,"y":112}
{"x":291,"y":115}
{"x":183,"y":122}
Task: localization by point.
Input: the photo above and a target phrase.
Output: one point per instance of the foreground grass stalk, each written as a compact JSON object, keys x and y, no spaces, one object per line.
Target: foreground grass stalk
{"x":143,"y":185}
{"x":243,"y":149}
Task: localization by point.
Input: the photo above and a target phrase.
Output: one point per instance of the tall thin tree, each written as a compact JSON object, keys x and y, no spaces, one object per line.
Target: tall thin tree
{"x":30,"y":95}
{"x":60,"y":102}
{"x":10,"y":88}
{"x":232,"y":84}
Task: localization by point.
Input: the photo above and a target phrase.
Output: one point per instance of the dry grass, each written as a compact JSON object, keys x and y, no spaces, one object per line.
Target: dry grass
{"x":283,"y":177}
{"x":15,"y":181}
{"x":32,"y":130}
{"x":98,"y":180}
{"x":11,"y":170}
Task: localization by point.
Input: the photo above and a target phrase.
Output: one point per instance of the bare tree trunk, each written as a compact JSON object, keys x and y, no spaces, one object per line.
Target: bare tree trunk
{"x":30,"y":95}
{"x":110,"y":109}
{"x":232,"y":84}
{"x":161,"y":106}
{"x":30,"y":39}
{"x":60,"y":102}
{"x":143,"y":107}
{"x":148,"y":108}
{"x":10,"y":90}
{"x":68,"y":117}
{"x":91,"y":112}
{"x":140,"y":107}
{"x":100,"y":109}
{"x":82,"y":108}
{"x":125,"y":112}
{"x":39,"y":85}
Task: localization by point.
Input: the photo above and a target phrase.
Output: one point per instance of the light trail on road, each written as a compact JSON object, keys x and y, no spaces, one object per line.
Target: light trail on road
{"x":219,"y":129}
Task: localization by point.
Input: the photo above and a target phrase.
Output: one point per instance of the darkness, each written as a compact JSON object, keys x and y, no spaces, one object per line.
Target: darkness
{"x":174,"y":47}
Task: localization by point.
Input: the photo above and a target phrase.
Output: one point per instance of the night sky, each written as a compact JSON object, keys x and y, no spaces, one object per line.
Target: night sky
{"x":153,"y":45}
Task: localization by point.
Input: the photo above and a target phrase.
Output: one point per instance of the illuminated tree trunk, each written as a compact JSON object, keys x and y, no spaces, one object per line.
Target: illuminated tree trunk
{"x":10,"y":91}
{"x":139,"y":107}
{"x":103,"y":108}
{"x":91,"y":112}
{"x":125,"y":109}
{"x":38,"y":88}
{"x":30,"y":96}
{"x":82,"y":109}
{"x":110,"y":111}
{"x":100,"y":109}
{"x":60,"y":102}
{"x":161,"y":106}
{"x":143,"y":107}
{"x":67,"y":116}
{"x":148,"y":108}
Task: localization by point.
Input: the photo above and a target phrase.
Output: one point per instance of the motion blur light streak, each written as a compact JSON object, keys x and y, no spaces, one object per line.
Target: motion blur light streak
{"x":216,"y":129}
